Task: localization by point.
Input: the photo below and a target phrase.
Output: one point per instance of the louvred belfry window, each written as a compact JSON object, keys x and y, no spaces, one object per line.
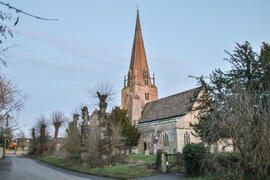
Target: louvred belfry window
{"x":145,"y":77}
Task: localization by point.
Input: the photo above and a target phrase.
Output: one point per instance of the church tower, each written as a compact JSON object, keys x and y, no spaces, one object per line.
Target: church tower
{"x":139,"y":87}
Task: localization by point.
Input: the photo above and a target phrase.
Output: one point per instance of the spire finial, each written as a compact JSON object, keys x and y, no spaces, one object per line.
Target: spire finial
{"x":137,"y":8}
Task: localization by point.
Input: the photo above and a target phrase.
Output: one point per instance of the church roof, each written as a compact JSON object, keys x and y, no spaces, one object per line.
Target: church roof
{"x":168,"y":107}
{"x":138,"y":62}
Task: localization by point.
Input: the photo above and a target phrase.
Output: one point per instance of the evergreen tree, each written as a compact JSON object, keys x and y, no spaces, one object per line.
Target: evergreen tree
{"x":249,"y":71}
{"x":264,"y":64}
{"x":235,"y":105}
{"x":129,"y":132}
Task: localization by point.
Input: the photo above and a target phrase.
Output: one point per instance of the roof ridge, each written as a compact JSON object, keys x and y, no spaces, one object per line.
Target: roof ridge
{"x":174,"y":95}
{"x":169,"y":106}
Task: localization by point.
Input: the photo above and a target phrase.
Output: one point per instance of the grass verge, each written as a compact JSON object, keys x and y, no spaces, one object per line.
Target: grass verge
{"x":148,"y":159}
{"x":123,"y":171}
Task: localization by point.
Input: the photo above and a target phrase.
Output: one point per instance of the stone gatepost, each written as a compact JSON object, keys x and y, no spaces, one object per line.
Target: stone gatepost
{"x":163,"y":164}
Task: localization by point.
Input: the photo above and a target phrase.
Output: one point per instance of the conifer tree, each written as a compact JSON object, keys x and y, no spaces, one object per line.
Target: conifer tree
{"x":129,"y":132}
{"x":249,"y":71}
{"x":235,"y":105}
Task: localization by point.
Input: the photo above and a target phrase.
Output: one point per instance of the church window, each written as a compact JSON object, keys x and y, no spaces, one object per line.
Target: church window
{"x":153,"y":139}
{"x":187,"y":138}
{"x":166,"y":139}
{"x":145,"y":77}
{"x":146,"y":96}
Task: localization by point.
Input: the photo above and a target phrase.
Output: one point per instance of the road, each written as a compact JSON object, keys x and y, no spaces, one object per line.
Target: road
{"x":17,"y":167}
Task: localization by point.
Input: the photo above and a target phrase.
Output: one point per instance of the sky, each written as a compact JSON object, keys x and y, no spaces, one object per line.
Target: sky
{"x":55,"y":62}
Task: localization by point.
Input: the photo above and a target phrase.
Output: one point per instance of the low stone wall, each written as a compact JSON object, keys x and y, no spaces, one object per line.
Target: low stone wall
{"x":8,"y":151}
{"x":21,"y":151}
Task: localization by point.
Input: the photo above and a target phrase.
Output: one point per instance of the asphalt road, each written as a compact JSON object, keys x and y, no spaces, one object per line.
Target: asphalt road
{"x":17,"y":167}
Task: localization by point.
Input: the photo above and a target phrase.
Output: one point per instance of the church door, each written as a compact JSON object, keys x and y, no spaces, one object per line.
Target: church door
{"x":145,"y":146}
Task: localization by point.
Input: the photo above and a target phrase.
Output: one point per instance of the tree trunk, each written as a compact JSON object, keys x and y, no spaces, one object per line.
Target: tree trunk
{"x":54,"y":142}
{"x":42,"y":139}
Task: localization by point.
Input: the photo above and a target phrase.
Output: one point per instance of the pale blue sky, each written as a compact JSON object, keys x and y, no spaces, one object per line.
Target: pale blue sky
{"x":55,"y":62}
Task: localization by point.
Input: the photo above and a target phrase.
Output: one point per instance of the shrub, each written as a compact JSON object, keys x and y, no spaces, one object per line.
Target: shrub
{"x":71,"y":148}
{"x":95,"y":158}
{"x":158,"y":159}
{"x":193,"y":155}
{"x":228,"y":161}
{"x":224,"y":165}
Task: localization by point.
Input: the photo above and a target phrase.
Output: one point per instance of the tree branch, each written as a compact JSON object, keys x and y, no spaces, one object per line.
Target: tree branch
{"x":26,"y":13}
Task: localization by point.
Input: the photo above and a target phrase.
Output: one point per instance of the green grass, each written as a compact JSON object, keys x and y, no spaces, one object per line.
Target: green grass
{"x":143,"y":158}
{"x":119,"y":171}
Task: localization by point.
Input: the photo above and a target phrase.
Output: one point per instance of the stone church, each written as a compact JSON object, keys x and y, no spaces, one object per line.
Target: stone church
{"x":163,"y":123}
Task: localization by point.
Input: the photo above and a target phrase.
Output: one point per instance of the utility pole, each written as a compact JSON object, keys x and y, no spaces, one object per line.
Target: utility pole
{"x":5,"y":143}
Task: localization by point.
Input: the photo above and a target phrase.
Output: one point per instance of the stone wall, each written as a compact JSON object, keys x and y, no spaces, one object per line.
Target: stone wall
{"x":184,"y":129}
{"x":133,"y":99}
{"x":178,"y":132}
{"x":153,"y":136}
{"x":225,"y":145}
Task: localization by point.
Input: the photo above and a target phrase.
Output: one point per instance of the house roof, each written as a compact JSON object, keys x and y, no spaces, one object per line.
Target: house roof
{"x":171,"y":106}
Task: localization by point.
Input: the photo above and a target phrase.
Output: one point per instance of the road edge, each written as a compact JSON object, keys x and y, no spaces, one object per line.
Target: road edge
{"x":69,"y":169}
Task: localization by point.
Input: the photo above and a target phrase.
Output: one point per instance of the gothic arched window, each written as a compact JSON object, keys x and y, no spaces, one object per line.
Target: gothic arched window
{"x":145,"y":78}
{"x":187,"y":138}
{"x":166,"y":139}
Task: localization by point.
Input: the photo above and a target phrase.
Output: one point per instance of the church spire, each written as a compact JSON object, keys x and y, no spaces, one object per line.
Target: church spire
{"x":138,"y":69}
{"x":139,"y":88}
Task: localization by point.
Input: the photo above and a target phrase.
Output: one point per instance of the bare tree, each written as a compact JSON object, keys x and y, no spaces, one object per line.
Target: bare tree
{"x":57,"y":118}
{"x":25,"y":13}
{"x":245,"y":119}
{"x":11,"y":99}
{"x":77,"y":109}
{"x":7,"y":21}
{"x":33,"y":145}
{"x":5,"y":34}
{"x":101,"y":94}
{"x":41,"y":126}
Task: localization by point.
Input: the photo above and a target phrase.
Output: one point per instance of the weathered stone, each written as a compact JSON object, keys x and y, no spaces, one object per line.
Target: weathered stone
{"x":163,"y":163}
{"x":139,"y":88}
